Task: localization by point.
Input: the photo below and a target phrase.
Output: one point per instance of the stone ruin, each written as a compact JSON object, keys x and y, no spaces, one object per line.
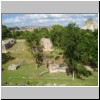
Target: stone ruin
{"x":7,"y":44}
{"x":4,"y":46}
{"x":88,"y":68}
{"x":47,"y":44}
{"x":14,"y":66}
{"x":90,"y":24}
{"x":55,"y":68}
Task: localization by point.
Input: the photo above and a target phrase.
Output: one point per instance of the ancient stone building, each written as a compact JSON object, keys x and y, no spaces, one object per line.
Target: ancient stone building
{"x":7,"y":44}
{"x":90,"y":24}
{"x":47,"y":44}
{"x":31,"y":28}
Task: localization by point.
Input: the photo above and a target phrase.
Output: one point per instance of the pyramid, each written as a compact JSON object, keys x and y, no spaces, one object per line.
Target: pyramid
{"x":90,"y":24}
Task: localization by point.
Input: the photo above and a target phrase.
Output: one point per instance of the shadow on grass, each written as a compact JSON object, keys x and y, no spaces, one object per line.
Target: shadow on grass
{"x":70,"y":72}
{"x":6,"y":57}
{"x":79,"y":77}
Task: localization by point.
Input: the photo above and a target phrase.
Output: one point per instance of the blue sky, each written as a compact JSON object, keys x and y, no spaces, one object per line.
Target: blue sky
{"x":12,"y":20}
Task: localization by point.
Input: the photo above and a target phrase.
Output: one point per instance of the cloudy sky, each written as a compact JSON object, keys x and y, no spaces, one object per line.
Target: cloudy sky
{"x":12,"y":20}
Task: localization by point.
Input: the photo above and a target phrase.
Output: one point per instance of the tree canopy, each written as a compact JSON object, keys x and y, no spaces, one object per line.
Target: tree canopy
{"x":5,"y":32}
{"x":80,"y":47}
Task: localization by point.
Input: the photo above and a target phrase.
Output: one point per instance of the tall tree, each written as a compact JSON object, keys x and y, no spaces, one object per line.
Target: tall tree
{"x":5,"y":32}
{"x":56,"y":34}
{"x":71,"y":41}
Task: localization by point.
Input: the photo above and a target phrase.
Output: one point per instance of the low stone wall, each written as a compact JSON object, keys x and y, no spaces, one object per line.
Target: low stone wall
{"x":55,"y":68}
{"x":88,"y":68}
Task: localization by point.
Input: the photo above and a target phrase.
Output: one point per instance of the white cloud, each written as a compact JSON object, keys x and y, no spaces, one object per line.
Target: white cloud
{"x":25,"y":17}
{"x":43,"y":20}
{"x":62,"y":19}
{"x":11,"y":20}
{"x":35,"y":16}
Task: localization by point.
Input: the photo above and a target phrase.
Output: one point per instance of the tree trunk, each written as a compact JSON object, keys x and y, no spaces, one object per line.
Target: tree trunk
{"x":73,"y":75}
{"x":36,"y":66}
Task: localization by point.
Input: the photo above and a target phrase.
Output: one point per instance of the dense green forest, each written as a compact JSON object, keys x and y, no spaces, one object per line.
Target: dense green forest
{"x":79,"y":46}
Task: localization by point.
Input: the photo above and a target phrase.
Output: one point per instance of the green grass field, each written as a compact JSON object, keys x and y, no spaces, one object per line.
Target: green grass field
{"x":27,"y":74}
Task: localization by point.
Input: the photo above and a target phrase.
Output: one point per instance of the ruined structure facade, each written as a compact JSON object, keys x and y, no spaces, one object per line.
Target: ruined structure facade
{"x":90,"y":24}
{"x":31,"y":28}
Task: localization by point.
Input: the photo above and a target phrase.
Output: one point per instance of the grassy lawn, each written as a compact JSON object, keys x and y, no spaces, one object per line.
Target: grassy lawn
{"x":27,"y":74}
